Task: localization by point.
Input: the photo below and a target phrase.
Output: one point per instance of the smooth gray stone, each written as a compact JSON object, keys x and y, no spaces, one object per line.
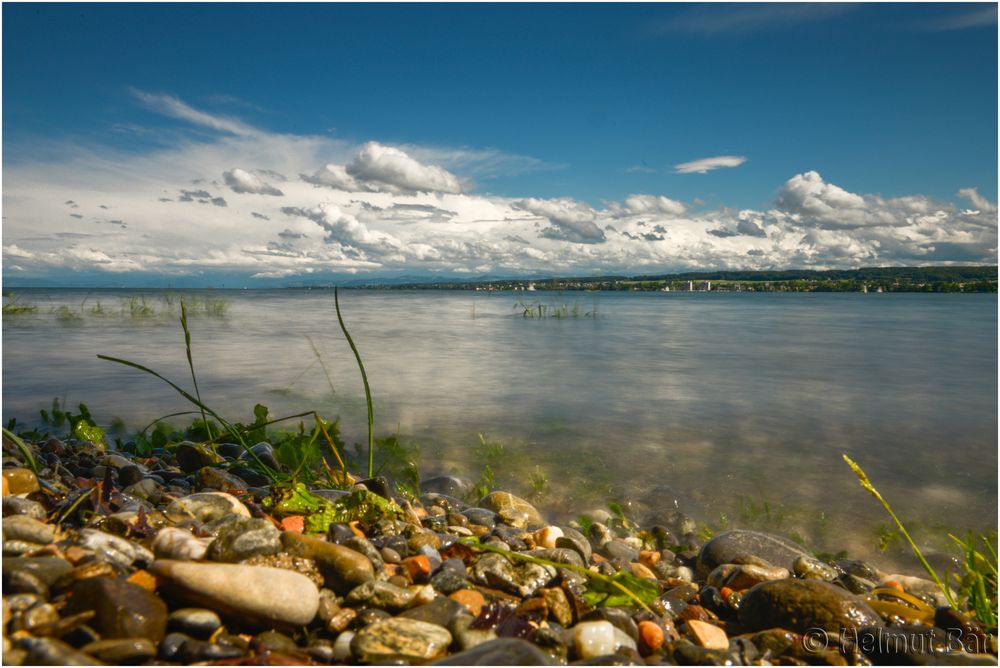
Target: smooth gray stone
{"x":500,"y":652}
{"x":729,"y":547}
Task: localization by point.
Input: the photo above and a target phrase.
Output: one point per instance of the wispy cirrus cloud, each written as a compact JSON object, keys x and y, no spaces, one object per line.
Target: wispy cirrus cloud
{"x":705,"y":165}
{"x":172,"y":106}
{"x":984,"y":16}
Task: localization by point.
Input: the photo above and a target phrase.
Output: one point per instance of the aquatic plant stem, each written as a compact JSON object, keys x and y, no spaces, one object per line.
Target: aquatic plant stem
{"x":867,"y":484}
{"x":364,"y":378}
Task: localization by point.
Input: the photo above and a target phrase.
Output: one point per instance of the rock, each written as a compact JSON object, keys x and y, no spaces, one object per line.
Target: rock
{"x":481,"y":517}
{"x":113,"y":549}
{"x":47,"y":569}
{"x":244,"y":538}
{"x":178,"y":544}
{"x":733,"y":547}
{"x":275,"y":642}
{"x":593,"y":639}
{"x":707,"y":635}
{"x":500,"y":652}
{"x":441,"y":611}
{"x":617,"y":617}
{"x":495,"y":570}
{"x":21,"y":481}
{"x":210,"y":477}
{"x":342,"y":646}
{"x":651,"y":636}
{"x":264,"y":452}
{"x":380,"y":595}
{"x":184,"y":649}
{"x":920,"y":587}
{"x":193,"y":456}
{"x":562,"y":555}
{"x":447,"y":485}
{"x":22,"y":527}
{"x":196,"y":622}
{"x":809,"y":568}
{"x":471,"y":599}
{"x":575,"y":540}
{"x":801,"y":605}
{"x":400,"y":638}
{"x":121,"y":609}
{"x":615,"y":549}
{"x":343,"y":569}
{"x":558,"y":605}
{"x":130,"y":475}
{"x":15,"y":505}
{"x":744,"y":576}
{"x":52,"y":652}
{"x":547,"y":536}
{"x":126,"y":651}
{"x":205,"y":507}
{"x":500,"y":502}
{"x":258,"y":594}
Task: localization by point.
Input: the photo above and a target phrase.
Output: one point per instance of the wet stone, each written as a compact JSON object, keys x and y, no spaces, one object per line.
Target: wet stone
{"x":250,"y":476}
{"x":448,"y":485}
{"x":114,"y":549}
{"x":255,"y":593}
{"x":126,"y":651}
{"x":14,"y":505}
{"x":195,"y":622}
{"x":365,"y":547}
{"x":380,"y":595}
{"x":499,"y":502}
{"x":205,"y":507}
{"x":121,"y":609}
{"x":810,"y":568}
{"x":559,"y":555}
{"x":264,"y":452}
{"x":342,"y":568}
{"x":184,"y":649}
{"x":21,"y":481}
{"x":481,"y":517}
{"x":52,"y":652}
{"x":620,"y":618}
{"x":735,"y":546}
{"x":500,"y":652}
{"x":273,"y":641}
{"x":495,"y":570}
{"x":801,"y":605}
{"x":400,"y":638}
{"x":47,"y":569}
{"x":24,"y":528}
{"x":193,"y":456}
{"x":244,"y":538}
{"x":173,"y":543}
{"x":574,"y":540}
{"x":210,"y":477}
{"x":441,"y":611}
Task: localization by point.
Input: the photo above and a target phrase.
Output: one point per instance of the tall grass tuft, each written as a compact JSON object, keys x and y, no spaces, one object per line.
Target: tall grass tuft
{"x":364,"y":378}
{"x":194,"y":379}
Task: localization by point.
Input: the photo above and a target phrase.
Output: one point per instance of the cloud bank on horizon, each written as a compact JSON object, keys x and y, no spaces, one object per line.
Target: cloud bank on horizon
{"x":245,"y":201}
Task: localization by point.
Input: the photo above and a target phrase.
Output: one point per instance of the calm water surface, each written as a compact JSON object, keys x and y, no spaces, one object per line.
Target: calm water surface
{"x":731,"y":404}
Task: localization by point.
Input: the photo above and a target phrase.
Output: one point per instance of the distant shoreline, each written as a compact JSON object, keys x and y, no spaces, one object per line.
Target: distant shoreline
{"x":946,"y":279}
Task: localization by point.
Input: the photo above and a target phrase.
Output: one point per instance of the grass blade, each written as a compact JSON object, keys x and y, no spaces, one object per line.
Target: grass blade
{"x":194,"y":379}
{"x":867,"y":484}
{"x":364,"y":378}
{"x":23,"y":447}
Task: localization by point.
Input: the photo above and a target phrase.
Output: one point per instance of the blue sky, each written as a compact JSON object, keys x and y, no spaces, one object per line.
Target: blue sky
{"x":834,"y":135}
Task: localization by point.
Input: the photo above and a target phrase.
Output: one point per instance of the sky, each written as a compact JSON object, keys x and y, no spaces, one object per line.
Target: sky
{"x":258,"y":144}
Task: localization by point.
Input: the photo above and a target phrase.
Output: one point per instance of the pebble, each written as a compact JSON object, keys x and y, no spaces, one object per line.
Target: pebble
{"x":121,"y":609}
{"x":744,"y":576}
{"x":500,"y":652}
{"x":210,"y":477}
{"x":810,"y":568}
{"x":801,"y":605}
{"x":193,"y":456}
{"x":523,"y":579}
{"x":25,"y":528}
{"x":243,"y":538}
{"x":471,"y":599}
{"x":400,"y":638}
{"x":21,"y":481}
{"x":180,"y":545}
{"x":651,"y":636}
{"x":114,"y":549}
{"x":52,"y":652}
{"x":126,"y":651}
{"x":196,"y":622}
{"x":500,"y":502}
{"x":257,"y":593}
{"x":46,"y":569}
{"x":441,"y":611}
{"x":205,"y":507}
{"x":732,"y":546}
{"x":15,"y":505}
{"x":342,"y":646}
{"x":707,"y":635}
{"x":342,"y":568}
{"x":593,"y":639}
{"x":380,"y":595}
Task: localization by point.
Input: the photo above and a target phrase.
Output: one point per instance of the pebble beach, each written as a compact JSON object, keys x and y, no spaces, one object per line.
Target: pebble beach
{"x":192,"y":556}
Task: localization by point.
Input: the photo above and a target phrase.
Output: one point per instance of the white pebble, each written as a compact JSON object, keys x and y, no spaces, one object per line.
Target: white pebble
{"x":174,"y":543}
{"x":546,"y":536}
{"x":342,"y":646}
{"x":593,"y":639}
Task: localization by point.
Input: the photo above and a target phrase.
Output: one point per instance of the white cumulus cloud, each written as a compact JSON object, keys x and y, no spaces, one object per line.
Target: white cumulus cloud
{"x":393,"y":169}
{"x":570,"y":220}
{"x":242,"y":181}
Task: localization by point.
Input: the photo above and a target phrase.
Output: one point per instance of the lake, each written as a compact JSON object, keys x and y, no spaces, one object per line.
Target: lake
{"x":733,"y":407}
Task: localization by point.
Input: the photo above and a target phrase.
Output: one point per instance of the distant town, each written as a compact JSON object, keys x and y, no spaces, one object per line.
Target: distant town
{"x":875,"y":279}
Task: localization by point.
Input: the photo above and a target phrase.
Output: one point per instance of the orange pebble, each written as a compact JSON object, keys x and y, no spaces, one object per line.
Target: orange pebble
{"x":144,"y":579}
{"x":725,"y":592}
{"x":357,"y":531}
{"x":393,"y":569}
{"x":6,"y":487}
{"x":650,"y":635}
{"x":295,"y":524}
{"x":470,"y":598}
{"x":419,"y":567}
{"x":893,"y":584}
{"x":648,"y":558}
